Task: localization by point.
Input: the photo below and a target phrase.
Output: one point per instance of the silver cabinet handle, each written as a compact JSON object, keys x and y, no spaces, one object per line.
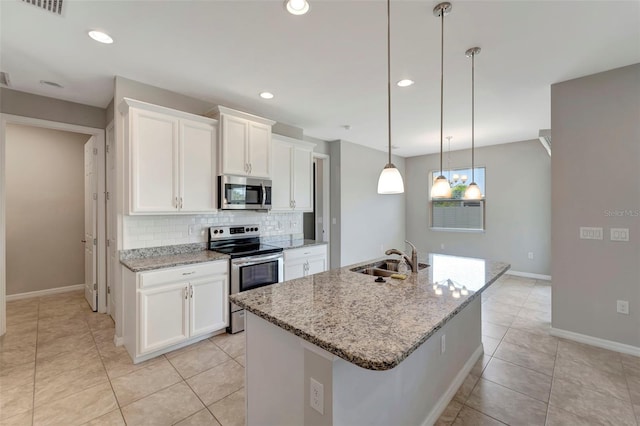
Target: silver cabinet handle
{"x":246,"y":167}
{"x":181,"y":203}
{"x":191,"y":292}
{"x":177,"y":205}
{"x":186,"y":293}
{"x":189,"y":273}
{"x":294,"y":204}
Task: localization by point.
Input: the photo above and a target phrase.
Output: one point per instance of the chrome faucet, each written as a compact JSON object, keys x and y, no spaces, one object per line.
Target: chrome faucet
{"x":413,"y":261}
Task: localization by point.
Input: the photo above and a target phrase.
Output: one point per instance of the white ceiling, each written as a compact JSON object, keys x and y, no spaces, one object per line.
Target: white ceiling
{"x":328,"y":68}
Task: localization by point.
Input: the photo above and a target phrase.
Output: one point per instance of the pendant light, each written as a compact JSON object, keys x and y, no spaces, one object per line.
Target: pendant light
{"x":441,"y":187}
{"x":473,"y":190}
{"x":390,"y":180}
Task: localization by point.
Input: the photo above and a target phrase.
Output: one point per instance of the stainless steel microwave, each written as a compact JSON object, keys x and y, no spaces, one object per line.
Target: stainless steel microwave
{"x":243,"y":193}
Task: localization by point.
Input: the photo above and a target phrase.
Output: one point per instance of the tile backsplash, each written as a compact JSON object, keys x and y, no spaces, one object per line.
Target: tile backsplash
{"x":155,"y":231}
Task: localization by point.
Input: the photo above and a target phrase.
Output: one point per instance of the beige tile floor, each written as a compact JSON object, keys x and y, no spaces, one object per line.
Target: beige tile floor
{"x":58,"y":366}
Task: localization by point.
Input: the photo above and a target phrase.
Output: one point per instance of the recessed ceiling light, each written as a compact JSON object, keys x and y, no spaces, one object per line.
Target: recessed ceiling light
{"x":100,"y":37}
{"x":51,"y":83}
{"x":297,"y":7}
{"x":266,"y":95}
{"x":405,"y":83}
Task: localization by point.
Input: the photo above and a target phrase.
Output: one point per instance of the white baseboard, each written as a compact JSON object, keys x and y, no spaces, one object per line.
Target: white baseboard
{"x":596,"y":341}
{"x":46,"y":292}
{"x":444,"y":400}
{"x":528,"y":275}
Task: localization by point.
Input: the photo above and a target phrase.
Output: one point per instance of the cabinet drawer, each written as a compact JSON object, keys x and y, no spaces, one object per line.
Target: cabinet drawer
{"x":305,"y":252}
{"x":183,"y":273}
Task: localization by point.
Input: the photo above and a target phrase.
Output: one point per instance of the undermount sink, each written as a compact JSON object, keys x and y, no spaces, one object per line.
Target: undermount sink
{"x":384,"y":268}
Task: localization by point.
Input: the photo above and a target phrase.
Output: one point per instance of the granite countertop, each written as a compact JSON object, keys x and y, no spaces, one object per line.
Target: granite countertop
{"x":373,"y":325}
{"x":298,"y":243}
{"x":148,"y":259}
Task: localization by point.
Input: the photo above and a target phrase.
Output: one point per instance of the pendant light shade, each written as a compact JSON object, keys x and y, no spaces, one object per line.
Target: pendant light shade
{"x":441,"y":187}
{"x":390,"y":180}
{"x":473,"y":190}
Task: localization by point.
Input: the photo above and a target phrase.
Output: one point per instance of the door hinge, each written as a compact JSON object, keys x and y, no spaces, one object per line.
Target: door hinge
{"x":95,"y":241}
{"x":95,"y":196}
{"x":95,"y":151}
{"x":108,"y":290}
{"x":108,"y":242}
{"x":107,"y":148}
{"x":106,"y":194}
{"x":95,"y":286}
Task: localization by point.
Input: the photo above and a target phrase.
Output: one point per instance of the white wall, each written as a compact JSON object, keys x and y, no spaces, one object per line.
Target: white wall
{"x":595,"y":124}
{"x":369,"y":223}
{"x":518,"y":206}
{"x":44,"y":208}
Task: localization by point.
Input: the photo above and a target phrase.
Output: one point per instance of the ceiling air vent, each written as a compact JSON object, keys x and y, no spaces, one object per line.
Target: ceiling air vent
{"x":54,"y":6}
{"x":4,"y":79}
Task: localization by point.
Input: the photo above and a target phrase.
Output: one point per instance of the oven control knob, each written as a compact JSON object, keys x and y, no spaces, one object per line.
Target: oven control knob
{"x":216,"y":231}
{"x":247,"y":230}
{"x":255,"y":229}
{"x":222,"y":231}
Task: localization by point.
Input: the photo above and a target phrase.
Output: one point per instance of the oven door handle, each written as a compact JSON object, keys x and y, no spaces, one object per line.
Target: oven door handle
{"x":244,"y":261}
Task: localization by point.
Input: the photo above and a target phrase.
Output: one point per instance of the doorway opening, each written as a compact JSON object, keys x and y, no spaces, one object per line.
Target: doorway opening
{"x":316,"y":223}
{"x":51,"y":211}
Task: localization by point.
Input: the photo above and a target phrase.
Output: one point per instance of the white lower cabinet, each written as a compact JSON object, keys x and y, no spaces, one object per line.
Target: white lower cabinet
{"x":174,"y":307}
{"x":305,"y":261}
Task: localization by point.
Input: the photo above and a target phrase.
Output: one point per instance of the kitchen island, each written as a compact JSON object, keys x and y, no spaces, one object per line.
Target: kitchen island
{"x":365,"y":352}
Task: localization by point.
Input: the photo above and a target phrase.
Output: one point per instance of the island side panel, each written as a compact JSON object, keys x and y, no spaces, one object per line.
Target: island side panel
{"x":419,"y":388}
{"x":274,"y":374}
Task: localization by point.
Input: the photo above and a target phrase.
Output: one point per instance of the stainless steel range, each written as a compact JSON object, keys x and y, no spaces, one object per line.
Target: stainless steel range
{"x":253,"y":263}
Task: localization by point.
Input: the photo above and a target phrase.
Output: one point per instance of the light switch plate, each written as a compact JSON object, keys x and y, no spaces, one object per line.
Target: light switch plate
{"x":619,"y":234}
{"x":622,"y":307}
{"x":590,"y":233}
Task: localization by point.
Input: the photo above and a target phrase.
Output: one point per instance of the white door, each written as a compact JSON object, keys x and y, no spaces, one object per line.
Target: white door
{"x":209,"y":305}
{"x":163,"y":316}
{"x":90,"y":225}
{"x":259,"y":150}
{"x":112,"y":246}
{"x":154,"y":161}
{"x":235,"y":134}
{"x":281,"y":177}
{"x":197,"y":167}
{"x":303,"y":180}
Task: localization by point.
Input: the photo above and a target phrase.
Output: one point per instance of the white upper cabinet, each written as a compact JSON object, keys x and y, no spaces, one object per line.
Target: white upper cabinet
{"x":292,"y":176}
{"x":172,"y":160}
{"x":245,"y":143}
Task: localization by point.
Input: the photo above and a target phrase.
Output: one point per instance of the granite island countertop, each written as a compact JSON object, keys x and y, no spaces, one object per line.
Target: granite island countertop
{"x":140,"y":260}
{"x":372,"y":325}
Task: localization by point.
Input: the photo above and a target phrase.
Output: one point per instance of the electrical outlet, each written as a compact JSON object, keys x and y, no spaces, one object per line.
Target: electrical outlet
{"x":619,"y":234}
{"x":622,"y":307}
{"x":443,"y":344}
{"x":530,"y":255}
{"x":587,"y":233}
{"x":316,"y":395}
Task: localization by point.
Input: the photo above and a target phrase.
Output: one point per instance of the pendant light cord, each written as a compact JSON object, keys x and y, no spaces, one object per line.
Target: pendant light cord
{"x":473,"y":110}
{"x":389,"y":74}
{"x":441,"y":86}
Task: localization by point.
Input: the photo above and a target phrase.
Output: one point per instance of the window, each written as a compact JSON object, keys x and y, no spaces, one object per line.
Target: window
{"x":455,"y":213}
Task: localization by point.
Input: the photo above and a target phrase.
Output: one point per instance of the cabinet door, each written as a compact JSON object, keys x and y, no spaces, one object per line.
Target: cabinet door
{"x":154,"y":162}
{"x":281,"y":154}
{"x":294,"y":269}
{"x":235,"y":137}
{"x":163,"y":317}
{"x":209,"y":304}
{"x":317,"y":264}
{"x":259,"y":150}
{"x":303,"y":179}
{"x":197,"y":166}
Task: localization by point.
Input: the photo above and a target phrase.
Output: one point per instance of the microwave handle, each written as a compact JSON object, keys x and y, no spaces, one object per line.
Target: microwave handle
{"x":264,"y":195}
